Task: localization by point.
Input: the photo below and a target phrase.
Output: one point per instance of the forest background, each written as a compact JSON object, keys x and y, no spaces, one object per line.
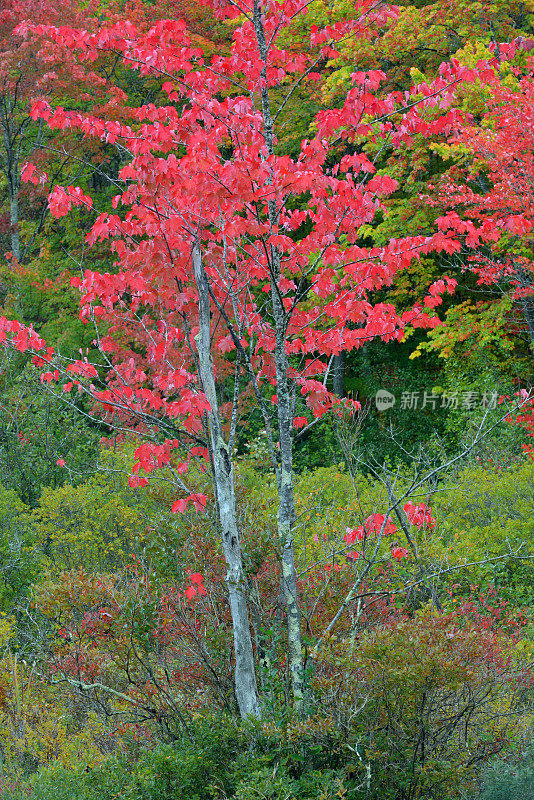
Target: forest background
{"x":266,"y":478}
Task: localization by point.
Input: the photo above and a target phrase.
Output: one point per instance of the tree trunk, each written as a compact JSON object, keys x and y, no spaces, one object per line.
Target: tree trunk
{"x":11,"y":170}
{"x":338,"y":374}
{"x":286,"y":501}
{"x":528,"y":312}
{"x":14,"y":224}
{"x":286,"y":521}
{"x":245,"y":676}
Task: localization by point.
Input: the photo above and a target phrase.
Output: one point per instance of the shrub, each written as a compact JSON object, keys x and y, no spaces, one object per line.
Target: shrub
{"x":193,"y":768}
{"x":424,"y":702}
{"x":511,"y":779}
{"x":489,"y":513}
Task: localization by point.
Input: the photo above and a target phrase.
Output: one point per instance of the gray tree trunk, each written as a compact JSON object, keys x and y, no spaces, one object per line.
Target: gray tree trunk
{"x":11,"y":169}
{"x":14,"y":223}
{"x":286,"y":501}
{"x":526,"y":303}
{"x":286,"y":508}
{"x":245,"y":676}
{"x":338,"y":374}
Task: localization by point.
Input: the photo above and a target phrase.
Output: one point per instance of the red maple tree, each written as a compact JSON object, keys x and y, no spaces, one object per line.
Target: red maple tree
{"x":238,"y":268}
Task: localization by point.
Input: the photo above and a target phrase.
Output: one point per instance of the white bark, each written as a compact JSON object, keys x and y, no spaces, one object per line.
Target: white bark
{"x":245,"y":675}
{"x":14,"y":223}
{"x":286,"y":501}
{"x":286,"y":509}
{"x":338,"y":374}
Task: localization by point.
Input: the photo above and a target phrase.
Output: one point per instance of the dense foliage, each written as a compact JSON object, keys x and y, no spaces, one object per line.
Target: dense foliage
{"x":266,"y":353}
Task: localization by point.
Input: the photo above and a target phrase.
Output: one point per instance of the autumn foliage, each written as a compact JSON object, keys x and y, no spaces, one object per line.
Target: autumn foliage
{"x":262,"y":212}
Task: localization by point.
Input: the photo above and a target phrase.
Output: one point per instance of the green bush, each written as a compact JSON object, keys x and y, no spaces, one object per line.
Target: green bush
{"x":510,"y":779}
{"x":215,"y":759}
{"x":220,"y":760}
{"x":38,"y":429}
{"x":424,"y":701}
{"x":19,"y":558}
{"x":157,"y":775}
{"x":195,"y":768}
{"x":489,"y":513}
